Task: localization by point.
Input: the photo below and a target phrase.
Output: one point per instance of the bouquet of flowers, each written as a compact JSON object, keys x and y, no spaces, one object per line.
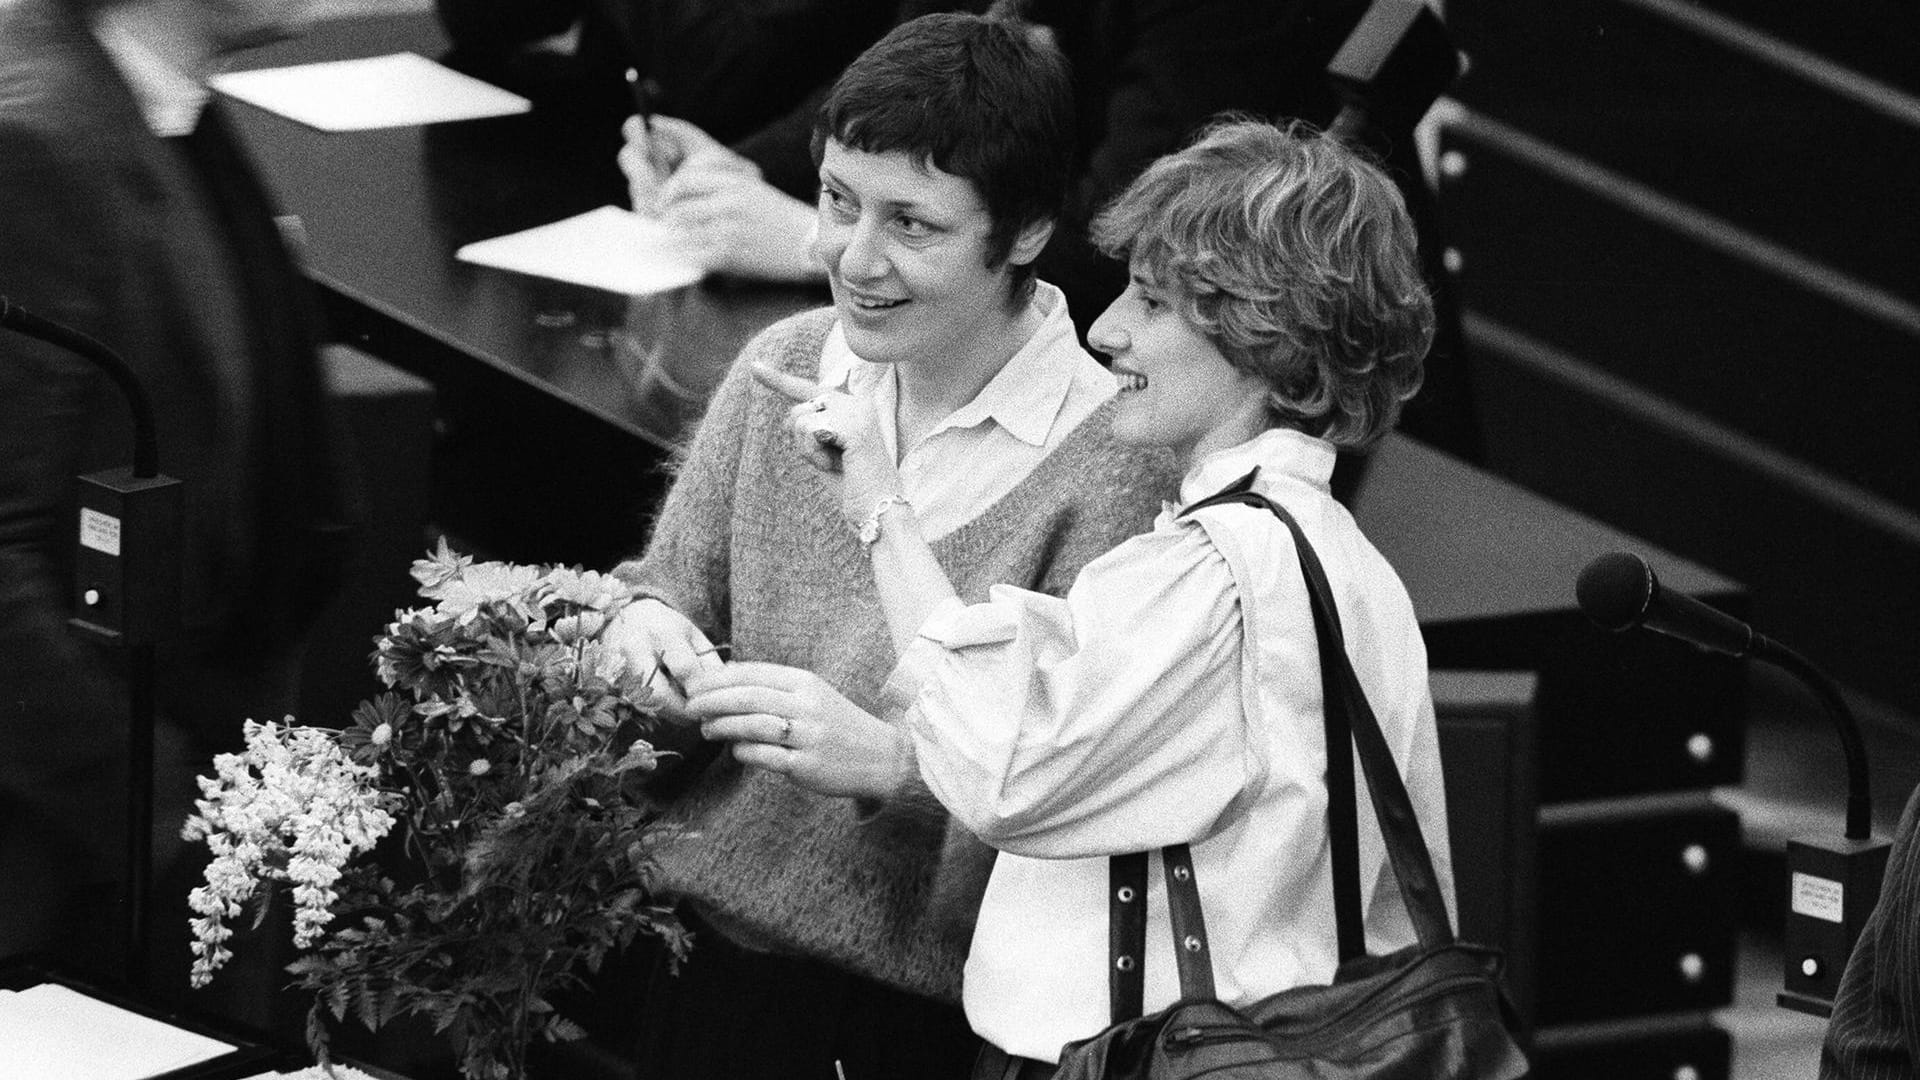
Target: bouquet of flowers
{"x":504,"y":765}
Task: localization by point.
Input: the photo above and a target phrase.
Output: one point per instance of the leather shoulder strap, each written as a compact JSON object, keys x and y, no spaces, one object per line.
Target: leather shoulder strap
{"x":1406,"y":847}
{"x":1349,"y":721}
{"x":1126,"y":935}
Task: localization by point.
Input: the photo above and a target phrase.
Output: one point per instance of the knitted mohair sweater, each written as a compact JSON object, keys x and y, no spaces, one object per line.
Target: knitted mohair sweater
{"x":750,"y":546}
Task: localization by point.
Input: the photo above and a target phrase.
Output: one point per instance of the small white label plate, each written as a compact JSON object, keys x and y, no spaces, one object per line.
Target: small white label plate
{"x":99,"y":531}
{"x":1818,"y":897}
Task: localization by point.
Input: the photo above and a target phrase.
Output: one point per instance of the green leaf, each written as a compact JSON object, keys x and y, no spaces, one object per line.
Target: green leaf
{"x":366,"y":1005}
{"x":480,"y":908}
{"x":317,"y":1034}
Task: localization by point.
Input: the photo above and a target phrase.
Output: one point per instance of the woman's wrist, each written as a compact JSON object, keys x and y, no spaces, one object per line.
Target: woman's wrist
{"x":896,"y":773}
{"x":876,"y":523}
{"x":906,"y":764}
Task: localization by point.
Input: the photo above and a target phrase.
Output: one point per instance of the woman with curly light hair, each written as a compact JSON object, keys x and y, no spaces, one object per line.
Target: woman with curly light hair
{"x":1275,"y":313}
{"x":1289,"y":254}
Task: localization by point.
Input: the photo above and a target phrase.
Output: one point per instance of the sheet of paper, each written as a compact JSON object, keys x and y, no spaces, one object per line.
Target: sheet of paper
{"x":397,"y":90}
{"x":608,"y":248}
{"x":315,"y":1072}
{"x":53,"y":1032}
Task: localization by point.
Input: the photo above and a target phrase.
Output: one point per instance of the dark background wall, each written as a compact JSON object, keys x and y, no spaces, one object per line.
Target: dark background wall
{"x":1686,"y":239}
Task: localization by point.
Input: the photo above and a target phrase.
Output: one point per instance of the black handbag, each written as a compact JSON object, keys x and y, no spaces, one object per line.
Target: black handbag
{"x":1433,"y":1011}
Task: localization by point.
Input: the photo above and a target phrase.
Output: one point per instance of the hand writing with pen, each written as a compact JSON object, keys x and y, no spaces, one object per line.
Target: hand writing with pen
{"x":732,"y":220}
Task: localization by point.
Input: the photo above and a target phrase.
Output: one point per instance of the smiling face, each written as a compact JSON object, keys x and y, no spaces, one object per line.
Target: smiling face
{"x":1177,"y":389}
{"x":906,"y":253}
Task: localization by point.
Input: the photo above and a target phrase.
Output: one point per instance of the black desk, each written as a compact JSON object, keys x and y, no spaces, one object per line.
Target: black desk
{"x":557,"y":402}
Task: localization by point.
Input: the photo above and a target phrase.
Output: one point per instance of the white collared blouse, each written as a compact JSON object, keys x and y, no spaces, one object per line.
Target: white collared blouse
{"x":983,"y":449}
{"x":1172,"y":695}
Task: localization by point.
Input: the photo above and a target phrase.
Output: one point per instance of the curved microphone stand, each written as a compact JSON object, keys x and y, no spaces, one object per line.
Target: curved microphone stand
{"x":129,"y":594}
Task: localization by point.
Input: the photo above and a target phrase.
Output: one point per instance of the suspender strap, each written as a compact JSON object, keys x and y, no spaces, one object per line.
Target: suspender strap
{"x":1126,"y":934}
{"x":1192,"y":954}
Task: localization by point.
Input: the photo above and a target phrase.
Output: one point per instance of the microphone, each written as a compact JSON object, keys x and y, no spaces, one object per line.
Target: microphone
{"x":1834,"y":887}
{"x":1620,"y":591}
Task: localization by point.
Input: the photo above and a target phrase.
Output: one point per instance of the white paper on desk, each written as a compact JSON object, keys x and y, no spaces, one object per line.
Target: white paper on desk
{"x":608,"y":248}
{"x":53,"y":1032}
{"x":315,"y":1072}
{"x":397,"y":90}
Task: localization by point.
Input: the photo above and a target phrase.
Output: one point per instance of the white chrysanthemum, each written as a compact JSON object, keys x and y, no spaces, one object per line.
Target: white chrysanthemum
{"x":589,"y":589}
{"x":484,"y":583}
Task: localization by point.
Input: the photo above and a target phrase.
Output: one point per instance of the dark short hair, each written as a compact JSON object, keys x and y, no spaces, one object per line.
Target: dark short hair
{"x":985,"y":98}
{"x":1294,"y":255}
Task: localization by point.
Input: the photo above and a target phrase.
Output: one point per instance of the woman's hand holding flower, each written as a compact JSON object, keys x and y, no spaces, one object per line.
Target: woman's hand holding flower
{"x":664,"y":644}
{"x":791,"y":722}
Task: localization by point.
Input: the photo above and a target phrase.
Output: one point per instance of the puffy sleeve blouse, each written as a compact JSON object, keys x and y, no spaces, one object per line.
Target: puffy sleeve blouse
{"x":1105,"y":721}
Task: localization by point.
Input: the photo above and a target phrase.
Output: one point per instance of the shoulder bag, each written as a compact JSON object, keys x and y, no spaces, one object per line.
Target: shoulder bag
{"x":1433,"y":1011}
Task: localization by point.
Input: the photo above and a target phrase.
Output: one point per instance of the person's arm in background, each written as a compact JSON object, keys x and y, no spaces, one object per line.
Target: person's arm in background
{"x":733,"y":221}
{"x":745,"y":197}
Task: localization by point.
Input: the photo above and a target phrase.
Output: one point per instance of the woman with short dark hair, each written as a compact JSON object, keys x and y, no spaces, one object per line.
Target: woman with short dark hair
{"x":836,"y":933}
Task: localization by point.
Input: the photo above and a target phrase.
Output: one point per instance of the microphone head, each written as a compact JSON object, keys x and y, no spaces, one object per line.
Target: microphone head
{"x":1617,"y":590}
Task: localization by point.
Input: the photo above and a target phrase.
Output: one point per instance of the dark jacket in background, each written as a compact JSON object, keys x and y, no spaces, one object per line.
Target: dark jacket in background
{"x":751,"y":73}
{"x":167,"y":252}
{"x":1875,"y":1030}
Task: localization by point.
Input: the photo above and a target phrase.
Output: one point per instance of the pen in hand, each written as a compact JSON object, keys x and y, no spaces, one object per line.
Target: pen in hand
{"x":661,"y":158}
{"x":642,"y":91}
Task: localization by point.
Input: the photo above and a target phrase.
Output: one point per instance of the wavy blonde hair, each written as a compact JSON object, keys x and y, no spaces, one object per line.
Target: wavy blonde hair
{"x":1295,"y":256}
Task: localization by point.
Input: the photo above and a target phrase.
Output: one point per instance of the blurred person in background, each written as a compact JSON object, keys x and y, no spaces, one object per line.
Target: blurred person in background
{"x":130,"y":215}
